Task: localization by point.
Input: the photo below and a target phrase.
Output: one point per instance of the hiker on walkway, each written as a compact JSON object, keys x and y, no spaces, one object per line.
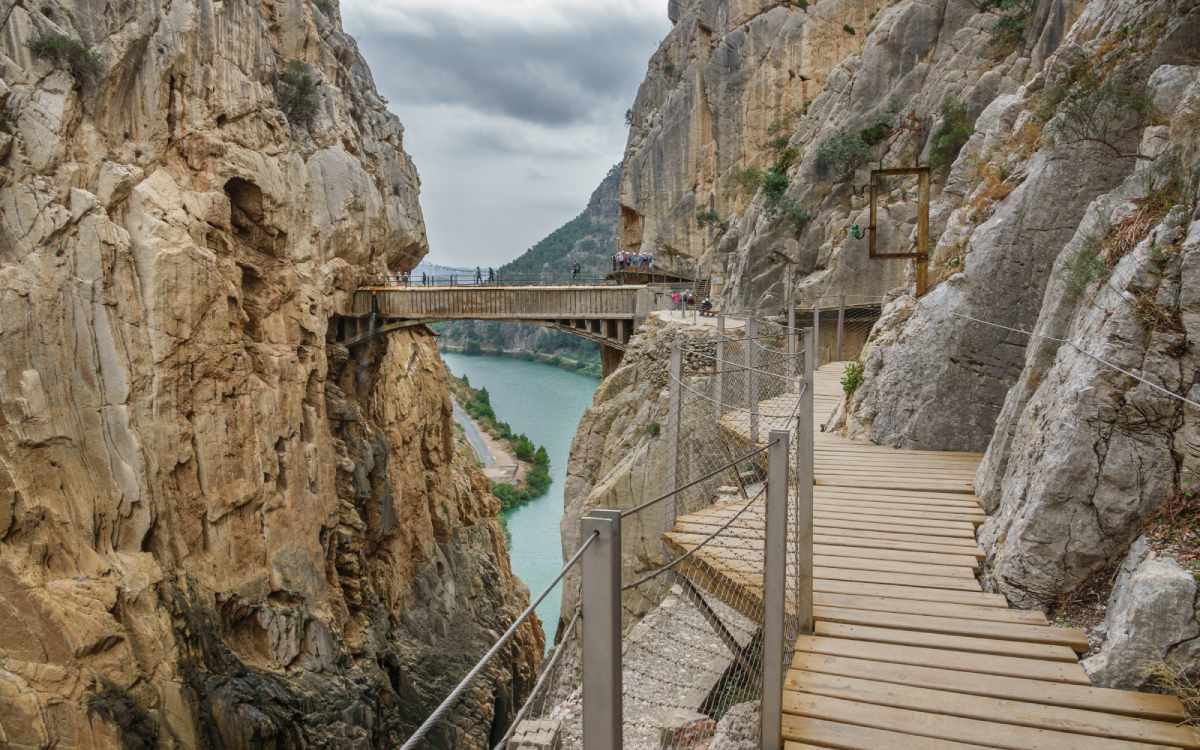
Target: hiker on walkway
{"x":478,"y":276}
{"x":706,"y":307}
{"x":424,"y":279}
{"x":677,"y":300}
{"x":491,"y":275}
{"x":575,"y":273}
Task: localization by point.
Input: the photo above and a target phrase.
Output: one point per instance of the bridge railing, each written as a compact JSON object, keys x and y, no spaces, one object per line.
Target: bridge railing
{"x":486,"y":278}
{"x":699,"y":639}
{"x":499,"y":303}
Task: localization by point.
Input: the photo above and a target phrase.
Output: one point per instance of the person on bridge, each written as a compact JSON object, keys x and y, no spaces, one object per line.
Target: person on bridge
{"x":575,"y":273}
{"x":424,"y":279}
{"x":491,"y":275}
{"x":478,"y":276}
{"x":706,"y":307}
{"x":677,"y":300}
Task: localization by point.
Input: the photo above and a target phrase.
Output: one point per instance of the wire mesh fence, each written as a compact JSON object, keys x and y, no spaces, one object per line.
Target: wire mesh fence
{"x":842,"y":324}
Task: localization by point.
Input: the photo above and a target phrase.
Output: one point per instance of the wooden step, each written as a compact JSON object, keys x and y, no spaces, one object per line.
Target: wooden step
{"x":832,"y":734}
{"x":1145,"y":705}
{"x":998,"y":734}
{"x":1069,"y":637}
{"x":1010,"y":712}
{"x":974,"y":644}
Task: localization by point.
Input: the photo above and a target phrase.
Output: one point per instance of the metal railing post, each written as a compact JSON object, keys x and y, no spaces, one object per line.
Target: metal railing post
{"x":793,"y":370}
{"x":841,"y":325}
{"x":675,"y":424}
{"x":817,"y":327}
{"x":774,"y":592}
{"x":751,"y":381}
{"x":805,"y":461}
{"x":720,"y":378}
{"x":601,"y":618}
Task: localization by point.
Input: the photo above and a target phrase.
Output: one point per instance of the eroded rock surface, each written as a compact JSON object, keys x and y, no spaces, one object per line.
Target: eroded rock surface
{"x":1152,"y":622}
{"x":217,"y":528}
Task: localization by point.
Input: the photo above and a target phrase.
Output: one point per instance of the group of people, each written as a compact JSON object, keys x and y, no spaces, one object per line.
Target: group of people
{"x":684,"y":300}
{"x":452,"y":279}
{"x":626,"y":261}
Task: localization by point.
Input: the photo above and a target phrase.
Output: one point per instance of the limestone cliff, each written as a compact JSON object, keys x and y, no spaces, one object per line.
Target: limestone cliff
{"x":218,"y":528}
{"x":1063,"y":140}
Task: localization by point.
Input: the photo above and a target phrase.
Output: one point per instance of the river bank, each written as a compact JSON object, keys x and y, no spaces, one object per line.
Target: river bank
{"x":546,"y":403}
{"x":498,"y":461}
{"x":586,"y":368}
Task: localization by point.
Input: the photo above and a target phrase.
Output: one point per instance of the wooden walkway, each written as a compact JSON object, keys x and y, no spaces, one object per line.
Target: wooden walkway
{"x":908,"y":650}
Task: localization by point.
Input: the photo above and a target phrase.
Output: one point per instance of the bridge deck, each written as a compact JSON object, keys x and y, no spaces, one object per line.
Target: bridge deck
{"x":908,"y":650}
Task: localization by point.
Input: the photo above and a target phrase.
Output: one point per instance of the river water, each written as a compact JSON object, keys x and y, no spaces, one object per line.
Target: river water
{"x":545,"y":403}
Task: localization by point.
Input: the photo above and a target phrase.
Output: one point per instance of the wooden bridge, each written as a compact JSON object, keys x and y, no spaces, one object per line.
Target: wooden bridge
{"x":908,"y":651}
{"x":605,"y":313}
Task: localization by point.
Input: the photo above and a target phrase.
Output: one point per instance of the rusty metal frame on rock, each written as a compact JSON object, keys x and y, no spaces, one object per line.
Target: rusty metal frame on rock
{"x":921,"y":256}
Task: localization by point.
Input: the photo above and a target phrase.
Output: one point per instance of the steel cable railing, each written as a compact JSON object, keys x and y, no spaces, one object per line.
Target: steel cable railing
{"x":457,"y":692}
{"x":689,"y":647}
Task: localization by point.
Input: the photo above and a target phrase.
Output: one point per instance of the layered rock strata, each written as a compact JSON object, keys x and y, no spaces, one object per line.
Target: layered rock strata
{"x":218,"y":528}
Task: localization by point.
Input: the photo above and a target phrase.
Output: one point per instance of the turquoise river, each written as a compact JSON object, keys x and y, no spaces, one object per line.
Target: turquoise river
{"x":545,"y":403}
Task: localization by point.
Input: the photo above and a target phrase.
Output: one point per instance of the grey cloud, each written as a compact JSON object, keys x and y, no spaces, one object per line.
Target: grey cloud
{"x":554,"y":78}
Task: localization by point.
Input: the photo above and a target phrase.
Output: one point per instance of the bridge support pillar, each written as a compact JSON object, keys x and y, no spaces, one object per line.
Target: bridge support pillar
{"x":610,"y":359}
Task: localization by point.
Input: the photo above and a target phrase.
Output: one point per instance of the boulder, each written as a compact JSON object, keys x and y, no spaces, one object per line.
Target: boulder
{"x":1153,"y":618}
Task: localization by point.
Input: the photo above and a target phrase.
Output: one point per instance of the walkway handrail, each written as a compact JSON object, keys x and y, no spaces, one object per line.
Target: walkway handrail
{"x":457,"y":692}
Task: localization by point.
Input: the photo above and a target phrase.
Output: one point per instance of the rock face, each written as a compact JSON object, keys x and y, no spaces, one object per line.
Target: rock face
{"x":1064,"y":204}
{"x":1153,"y":619}
{"x":218,"y":529}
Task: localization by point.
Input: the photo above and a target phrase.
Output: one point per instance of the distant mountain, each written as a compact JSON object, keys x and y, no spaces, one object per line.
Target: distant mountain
{"x":590,"y":239}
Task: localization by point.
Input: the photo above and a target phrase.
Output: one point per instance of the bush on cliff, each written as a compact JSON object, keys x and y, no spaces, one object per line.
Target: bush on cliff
{"x":956,"y":128}
{"x":296,"y":90}
{"x":63,"y":51}
{"x":840,"y":155}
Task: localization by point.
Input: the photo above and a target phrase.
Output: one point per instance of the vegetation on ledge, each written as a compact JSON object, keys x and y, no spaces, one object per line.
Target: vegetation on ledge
{"x":478,"y":404}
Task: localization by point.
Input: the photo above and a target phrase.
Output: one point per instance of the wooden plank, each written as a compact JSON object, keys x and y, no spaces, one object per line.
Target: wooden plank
{"x":1009,"y":712}
{"x":893,"y":566}
{"x":1146,"y":705}
{"x":869,"y":512}
{"x":831,"y":734}
{"x":960,"y":661}
{"x":852,"y":480}
{"x":1069,"y":637}
{"x":953,"y":728}
{"x":898,"y":579}
{"x":905,"y":505}
{"x":926,"y":525}
{"x":963,"y":537}
{"x":938,"y":609}
{"x":850,"y":542}
{"x":949,"y":642}
{"x":916,"y":593}
{"x":689,"y":539}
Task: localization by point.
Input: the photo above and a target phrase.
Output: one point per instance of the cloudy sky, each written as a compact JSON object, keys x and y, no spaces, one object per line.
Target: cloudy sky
{"x":514,"y":110}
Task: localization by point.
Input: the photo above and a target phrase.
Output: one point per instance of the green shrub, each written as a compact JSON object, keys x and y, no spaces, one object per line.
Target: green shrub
{"x":654,"y":429}
{"x":473,"y":348}
{"x":63,"y":51}
{"x":510,"y":497}
{"x":852,"y":378}
{"x":877,"y":132}
{"x":749,"y":180}
{"x":523,"y":447}
{"x":1105,"y":111}
{"x":774,"y":185}
{"x":848,"y":29}
{"x":541,"y":457}
{"x":537,"y":481}
{"x":954,"y":132}
{"x":779,"y":143}
{"x":704,"y":218}
{"x":296,"y":90}
{"x":795,"y":215}
{"x":786,"y":159}
{"x":840,"y":155}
